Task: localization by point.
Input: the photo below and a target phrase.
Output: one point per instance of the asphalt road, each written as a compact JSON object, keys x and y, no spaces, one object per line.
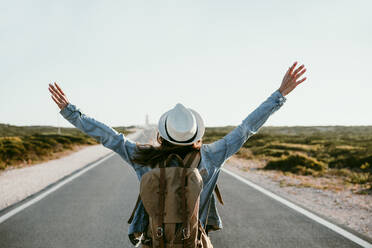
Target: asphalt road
{"x":92,"y":211}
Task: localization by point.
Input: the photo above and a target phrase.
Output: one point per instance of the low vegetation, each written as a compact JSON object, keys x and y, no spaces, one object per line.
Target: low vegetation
{"x":338,"y":151}
{"x":31,"y":144}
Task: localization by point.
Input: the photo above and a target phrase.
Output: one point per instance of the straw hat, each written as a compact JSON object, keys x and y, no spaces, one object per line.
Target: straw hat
{"x":181,"y":126}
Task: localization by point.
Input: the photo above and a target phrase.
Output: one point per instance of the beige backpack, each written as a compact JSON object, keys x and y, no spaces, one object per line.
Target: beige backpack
{"x":171,"y":196}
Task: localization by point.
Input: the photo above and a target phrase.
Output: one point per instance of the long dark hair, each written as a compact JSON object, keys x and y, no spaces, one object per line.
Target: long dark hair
{"x":149,"y":155}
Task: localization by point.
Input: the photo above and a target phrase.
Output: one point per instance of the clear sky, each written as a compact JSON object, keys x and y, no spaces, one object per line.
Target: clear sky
{"x":120,"y":60}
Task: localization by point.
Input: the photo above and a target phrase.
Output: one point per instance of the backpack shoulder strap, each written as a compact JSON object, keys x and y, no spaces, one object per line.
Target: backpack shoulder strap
{"x":218,"y":194}
{"x":134,"y":210}
{"x":195,"y":157}
{"x":192,"y":159}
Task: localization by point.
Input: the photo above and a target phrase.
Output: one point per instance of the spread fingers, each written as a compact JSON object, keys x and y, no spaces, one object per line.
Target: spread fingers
{"x":300,"y":73}
{"x":59,"y":89}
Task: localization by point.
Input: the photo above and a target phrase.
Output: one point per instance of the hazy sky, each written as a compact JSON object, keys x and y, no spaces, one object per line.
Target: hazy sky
{"x":119,"y":60}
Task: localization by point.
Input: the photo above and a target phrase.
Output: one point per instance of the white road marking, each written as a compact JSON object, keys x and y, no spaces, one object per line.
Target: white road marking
{"x":308,"y":214}
{"x":52,"y":189}
{"x":12,"y":212}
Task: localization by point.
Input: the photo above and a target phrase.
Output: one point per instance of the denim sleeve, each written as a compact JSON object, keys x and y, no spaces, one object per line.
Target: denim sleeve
{"x":219,"y":151}
{"x":104,"y":134}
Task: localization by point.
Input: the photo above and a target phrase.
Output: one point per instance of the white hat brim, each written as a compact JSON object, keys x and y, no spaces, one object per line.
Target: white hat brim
{"x":199,"y":123}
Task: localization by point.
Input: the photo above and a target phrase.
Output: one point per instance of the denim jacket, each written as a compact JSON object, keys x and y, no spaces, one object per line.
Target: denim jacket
{"x":213,"y":155}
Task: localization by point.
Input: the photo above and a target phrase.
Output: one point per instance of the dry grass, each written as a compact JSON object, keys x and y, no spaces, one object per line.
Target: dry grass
{"x":24,"y":146}
{"x":336,"y":157}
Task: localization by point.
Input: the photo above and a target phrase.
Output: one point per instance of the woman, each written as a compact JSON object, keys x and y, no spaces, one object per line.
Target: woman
{"x":180,"y":131}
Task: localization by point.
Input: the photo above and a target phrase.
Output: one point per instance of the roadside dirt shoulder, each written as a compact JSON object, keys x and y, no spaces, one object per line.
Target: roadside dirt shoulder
{"x":341,"y":206}
{"x":18,"y":183}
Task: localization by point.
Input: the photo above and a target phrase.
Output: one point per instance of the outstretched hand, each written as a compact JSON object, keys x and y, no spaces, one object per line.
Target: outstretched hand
{"x":58,"y":95}
{"x":290,"y":80}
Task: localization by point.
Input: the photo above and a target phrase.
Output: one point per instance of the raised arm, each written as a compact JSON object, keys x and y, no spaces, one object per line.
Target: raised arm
{"x":104,"y":134}
{"x":220,"y":150}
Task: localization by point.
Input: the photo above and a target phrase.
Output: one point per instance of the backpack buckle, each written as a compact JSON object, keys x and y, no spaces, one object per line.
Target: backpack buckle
{"x":159,"y":232}
{"x":185,"y":233}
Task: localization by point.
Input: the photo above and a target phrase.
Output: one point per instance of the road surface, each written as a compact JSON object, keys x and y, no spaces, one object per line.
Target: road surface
{"x":92,"y":211}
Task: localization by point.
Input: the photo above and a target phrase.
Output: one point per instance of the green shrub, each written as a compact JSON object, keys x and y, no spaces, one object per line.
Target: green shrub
{"x":11,"y":149}
{"x":272,"y":152}
{"x":293,"y":147}
{"x":365,"y":166}
{"x":36,"y":147}
{"x":245,"y":153}
{"x":352,"y":176}
{"x":298,"y":164}
{"x":355,"y":162}
{"x":2,"y":166}
{"x":34,"y":143}
{"x":360,"y":178}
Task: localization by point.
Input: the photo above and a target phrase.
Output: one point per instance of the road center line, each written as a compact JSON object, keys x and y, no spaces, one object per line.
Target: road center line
{"x":52,"y":189}
{"x":305,"y":212}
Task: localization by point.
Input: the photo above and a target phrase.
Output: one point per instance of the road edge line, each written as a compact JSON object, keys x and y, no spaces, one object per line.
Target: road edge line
{"x":303,"y":211}
{"x":53,"y":188}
